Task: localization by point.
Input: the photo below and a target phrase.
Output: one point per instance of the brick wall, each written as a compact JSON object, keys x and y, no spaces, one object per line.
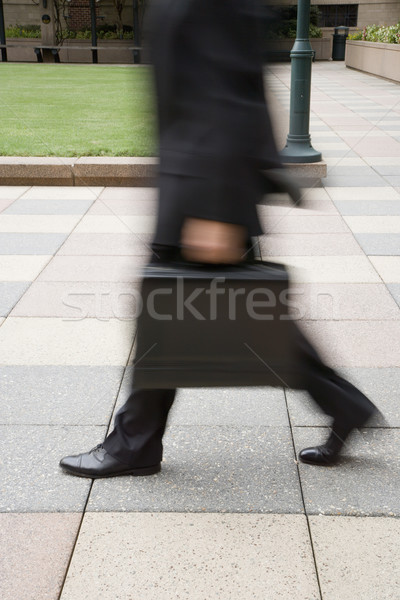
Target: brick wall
{"x":25,"y":12}
{"x":79,"y":14}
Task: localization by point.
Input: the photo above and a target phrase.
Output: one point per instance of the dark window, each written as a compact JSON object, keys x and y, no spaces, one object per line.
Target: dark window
{"x":335,"y":15}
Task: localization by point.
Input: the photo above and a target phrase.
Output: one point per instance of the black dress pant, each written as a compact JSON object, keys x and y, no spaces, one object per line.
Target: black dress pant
{"x":140,"y":424}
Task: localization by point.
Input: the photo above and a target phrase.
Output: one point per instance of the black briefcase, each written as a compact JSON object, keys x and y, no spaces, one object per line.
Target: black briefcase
{"x":223,"y":326}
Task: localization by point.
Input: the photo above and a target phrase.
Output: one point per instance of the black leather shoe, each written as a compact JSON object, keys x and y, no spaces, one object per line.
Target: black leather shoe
{"x":98,"y":463}
{"x":319,"y":455}
{"x":328,"y":453}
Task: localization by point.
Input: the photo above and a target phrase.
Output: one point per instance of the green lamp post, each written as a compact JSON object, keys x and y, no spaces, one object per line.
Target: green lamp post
{"x":298,"y":147}
{"x":136,"y":32}
{"x":93,"y":23}
{"x":2,"y":34}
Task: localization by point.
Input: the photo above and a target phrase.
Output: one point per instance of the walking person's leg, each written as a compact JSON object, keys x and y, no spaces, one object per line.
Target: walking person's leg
{"x":134,"y":447}
{"x":338,"y":398}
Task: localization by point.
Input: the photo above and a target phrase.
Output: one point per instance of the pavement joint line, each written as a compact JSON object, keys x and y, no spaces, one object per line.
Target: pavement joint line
{"x":303,"y":499}
{"x":61,"y":588}
{"x":84,"y":509}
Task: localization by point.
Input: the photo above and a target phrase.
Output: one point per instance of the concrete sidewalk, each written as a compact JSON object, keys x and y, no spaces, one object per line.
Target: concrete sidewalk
{"x":232,"y":515}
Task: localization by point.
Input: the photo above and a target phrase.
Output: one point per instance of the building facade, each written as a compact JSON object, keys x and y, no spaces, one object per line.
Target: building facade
{"x":351,"y":13}
{"x":76,"y":13}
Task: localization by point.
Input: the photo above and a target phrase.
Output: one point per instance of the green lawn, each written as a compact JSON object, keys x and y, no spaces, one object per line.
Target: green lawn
{"x":76,"y":110}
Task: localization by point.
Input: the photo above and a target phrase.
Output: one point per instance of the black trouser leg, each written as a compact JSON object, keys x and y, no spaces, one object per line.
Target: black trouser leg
{"x":337,"y":397}
{"x":139,"y":427}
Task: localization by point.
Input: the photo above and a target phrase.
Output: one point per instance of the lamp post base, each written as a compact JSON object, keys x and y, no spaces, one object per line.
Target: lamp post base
{"x":300,"y":150}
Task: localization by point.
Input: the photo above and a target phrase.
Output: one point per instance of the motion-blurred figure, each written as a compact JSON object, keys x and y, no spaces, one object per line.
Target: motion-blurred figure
{"x":215,"y":139}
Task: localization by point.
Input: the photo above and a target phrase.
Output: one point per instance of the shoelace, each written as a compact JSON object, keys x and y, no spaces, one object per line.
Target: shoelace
{"x":98,"y":447}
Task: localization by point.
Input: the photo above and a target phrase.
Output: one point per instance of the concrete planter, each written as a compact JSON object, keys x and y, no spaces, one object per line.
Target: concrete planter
{"x":23,"y":52}
{"x":110,"y":51}
{"x":322,"y":47}
{"x":375,"y":58}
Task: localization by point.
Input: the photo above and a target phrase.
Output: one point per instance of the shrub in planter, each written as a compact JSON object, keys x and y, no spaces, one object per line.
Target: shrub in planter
{"x":104,"y":32}
{"x":23,"y":31}
{"x":378,"y":33}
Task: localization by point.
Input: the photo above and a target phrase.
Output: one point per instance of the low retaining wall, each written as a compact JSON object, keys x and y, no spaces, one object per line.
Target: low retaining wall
{"x":105,"y":171}
{"x":374,"y":58}
{"x":117,"y":53}
{"x":322,"y":47}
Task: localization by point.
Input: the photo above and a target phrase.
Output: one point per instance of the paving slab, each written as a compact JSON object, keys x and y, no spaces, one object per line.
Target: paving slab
{"x":380,"y":385}
{"x":378,"y":147}
{"x":12,"y":192}
{"x":58,"y":395}
{"x":314,"y":244}
{"x":32,"y":480}
{"x":124,"y":206}
{"x":112,"y":195}
{"x":212,"y":469}
{"x":316,"y":207}
{"x":364,"y":483}
{"x":123,"y":269}
{"x":386,"y":169}
{"x":388,"y":267}
{"x":49,"y":206}
{"x":250,"y":406}
{"x":379,"y":244}
{"x":107,"y":223}
{"x":63,"y":193}
{"x":79,"y":300}
{"x":22,"y":268}
{"x":293,"y":223}
{"x":31,"y":243}
{"x":35,"y":553}
{"x":342,"y":301}
{"x":329,"y":269}
{"x":344,"y":162}
{"x":38,"y":223}
{"x":381,"y":161}
{"x":356,"y":343}
{"x":368,"y":207}
{"x":116,"y":224}
{"x":5,"y":203}
{"x":192,"y":556}
{"x":394,"y":289}
{"x":362,"y":193}
{"x":10,"y":293}
{"x":357,"y":169}
{"x":355,"y":182}
{"x":374,"y":224}
{"x":106,"y":244}
{"x":357,"y":557}
{"x":231,"y":407}
{"x":315,"y":193}
{"x":394,"y":180}
{"x":58,"y":341}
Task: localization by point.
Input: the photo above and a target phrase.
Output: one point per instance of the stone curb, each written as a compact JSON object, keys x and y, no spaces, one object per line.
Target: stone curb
{"x":104,"y":171}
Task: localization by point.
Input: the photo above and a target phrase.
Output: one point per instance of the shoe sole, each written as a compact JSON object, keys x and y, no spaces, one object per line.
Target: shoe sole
{"x":139,"y":472}
{"x":320,"y":464}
